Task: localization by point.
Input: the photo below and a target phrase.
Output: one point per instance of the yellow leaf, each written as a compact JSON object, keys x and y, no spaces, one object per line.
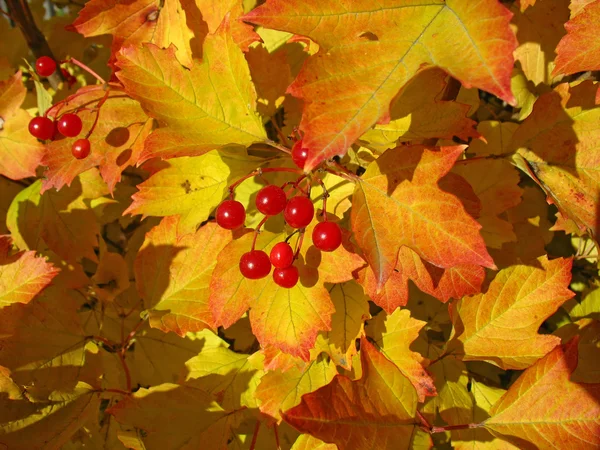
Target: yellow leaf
{"x":231,"y":377}
{"x":351,"y":310}
{"x":308,"y":442}
{"x":173,"y":275}
{"x":393,"y":334}
{"x":200,"y":109}
{"x":539,"y":29}
{"x":190,"y":187}
{"x":501,"y":325}
{"x":280,"y":391}
{"x":484,"y":397}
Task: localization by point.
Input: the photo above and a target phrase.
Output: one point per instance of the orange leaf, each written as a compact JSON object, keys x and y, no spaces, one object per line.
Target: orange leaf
{"x":375,"y":412}
{"x":20,"y":152}
{"x":22,"y":276}
{"x":579,"y":50}
{"x":290,"y":319}
{"x":501,"y":326}
{"x":398,"y":202}
{"x":544,"y":409}
{"x":116,"y":142}
{"x":348,"y":85}
{"x":12,"y":94}
{"x":173,"y":275}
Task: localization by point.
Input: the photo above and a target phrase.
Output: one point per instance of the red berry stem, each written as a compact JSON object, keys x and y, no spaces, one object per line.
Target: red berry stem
{"x":259,"y":172}
{"x":86,"y":68}
{"x":299,"y":243}
{"x":257,"y":231}
{"x":100,"y":103}
{"x":295,"y":184}
{"x":325,"y":197}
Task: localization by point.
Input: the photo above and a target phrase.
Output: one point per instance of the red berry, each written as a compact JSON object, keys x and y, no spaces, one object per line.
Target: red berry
{"x":41,"y":128}
{"x":299,"y":154}
{"x":81,"y":148}
{"x":271,"y":200}
{"x":231,"y":214}
{"x":327,"y":236}
{"x":282,"y":255}
{"x":255,"y":264}
{"x":286,"y":278}
{"x":69,"y":125}
{"x":299,"y":212}
{"x":45,"y":66}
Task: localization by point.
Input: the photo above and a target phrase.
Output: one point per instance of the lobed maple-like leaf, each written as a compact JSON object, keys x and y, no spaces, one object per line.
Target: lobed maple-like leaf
{"x":206,"y":107}
{"x":501,"y":325}
{"x":544,"y":408}
{"x":558,"y":145}
{"x":398,"y":202}
{"x":375,"y":412}
{"x":393,"y":334}
{"x":579,"y":50}
{"x":288,"y":319}
{"x":281,"y":390}
{"x":116,"y":142}
{"x":173,"y":275}
{"x":368,"y":52}
{"x":22,"y":276}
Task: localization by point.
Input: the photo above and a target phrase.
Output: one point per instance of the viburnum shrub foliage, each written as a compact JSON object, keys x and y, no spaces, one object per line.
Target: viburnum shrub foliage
{"x":299,"y":224}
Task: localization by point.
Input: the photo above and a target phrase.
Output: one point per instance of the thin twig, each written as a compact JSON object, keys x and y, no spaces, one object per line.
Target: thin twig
{"x":255,"y":435}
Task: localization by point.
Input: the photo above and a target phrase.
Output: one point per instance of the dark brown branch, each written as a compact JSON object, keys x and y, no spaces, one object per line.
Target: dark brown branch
{"x":21,"y":14}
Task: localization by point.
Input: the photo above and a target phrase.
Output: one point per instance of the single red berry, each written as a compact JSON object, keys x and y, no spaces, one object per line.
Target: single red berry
{"x":69,"y":125}
{"x":41,"y":128}
{"x":299,"y":212}
{"x":231,"y":214}
{"x":81,"y":148}
{"x":255,"y":264}
{"x":299,"y":154}
{"x":271,"y":200}
{"x":282,"y":255}
{"x":286,"y":278}
{"x":327,"y":236}
{"x":45,"y":66}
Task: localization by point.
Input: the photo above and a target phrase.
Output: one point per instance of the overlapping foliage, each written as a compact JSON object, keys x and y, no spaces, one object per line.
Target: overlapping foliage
{"x":457,"y":141}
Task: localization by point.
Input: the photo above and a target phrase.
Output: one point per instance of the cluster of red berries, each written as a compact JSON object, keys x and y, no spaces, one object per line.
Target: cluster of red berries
{"x":68,"y":124}
{"x":298,"y":211}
